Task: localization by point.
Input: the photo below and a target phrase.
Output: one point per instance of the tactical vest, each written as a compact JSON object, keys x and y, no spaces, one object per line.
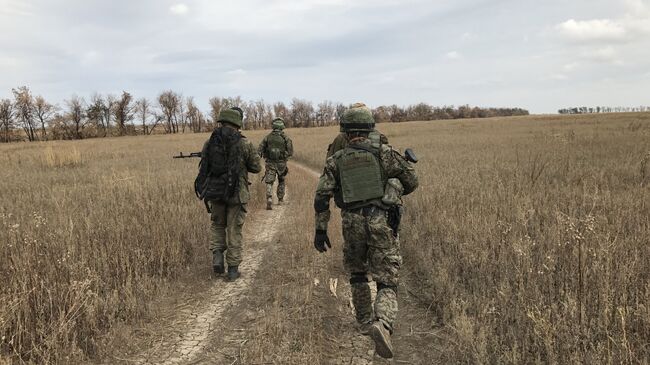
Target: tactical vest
{"x":361,"y":177}
{"x":276,"y":147}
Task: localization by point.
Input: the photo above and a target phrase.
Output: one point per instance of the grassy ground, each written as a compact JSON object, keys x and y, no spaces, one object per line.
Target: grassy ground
{"x":530,"y":236}
{"x":528,"y":239}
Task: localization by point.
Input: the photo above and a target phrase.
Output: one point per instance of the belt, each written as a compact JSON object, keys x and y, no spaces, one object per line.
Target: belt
{"x":368,"y":210}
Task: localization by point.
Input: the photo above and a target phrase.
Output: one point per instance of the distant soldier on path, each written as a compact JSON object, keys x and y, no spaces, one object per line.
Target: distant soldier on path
{"x":276,"y":148}
{"x":367,"y":181}
{"x":226,"y":159}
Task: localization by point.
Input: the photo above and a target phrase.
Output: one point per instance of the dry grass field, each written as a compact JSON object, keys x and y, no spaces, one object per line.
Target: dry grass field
{"x":527,"y":242}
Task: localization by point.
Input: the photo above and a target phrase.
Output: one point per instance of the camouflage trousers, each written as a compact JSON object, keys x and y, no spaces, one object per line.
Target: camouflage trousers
{"x":273,"y":169}
{"x":227,"y":224}
{"x":371,"y":248}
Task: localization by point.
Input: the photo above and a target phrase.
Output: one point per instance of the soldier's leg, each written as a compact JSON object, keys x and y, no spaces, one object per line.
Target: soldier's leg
{"x":218,"y":227}
{"x":236,"y":214}
{"x":218,"y":242}
{"x":269,"y":179}
{"x":282,"y":174}
{"x":385,"y":262}
{"x":356,"y":263}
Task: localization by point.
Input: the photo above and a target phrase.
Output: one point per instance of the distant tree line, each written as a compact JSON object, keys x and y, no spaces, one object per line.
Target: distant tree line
{"x":603,"y":109}
{"x":32,"y":118}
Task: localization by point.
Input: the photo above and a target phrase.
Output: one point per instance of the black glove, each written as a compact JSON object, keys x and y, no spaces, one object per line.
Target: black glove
{"x":320,"y":240}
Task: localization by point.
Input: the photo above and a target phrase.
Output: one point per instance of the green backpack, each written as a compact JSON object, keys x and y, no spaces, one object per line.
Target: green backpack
{"x":361,"y":176}
{"x":276,"y":147}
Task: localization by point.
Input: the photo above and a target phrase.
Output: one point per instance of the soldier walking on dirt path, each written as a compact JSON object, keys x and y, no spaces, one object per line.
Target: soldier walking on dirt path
{"x":367,"y":181}
{"x":276,"y":148}
{"x":222,"y":183}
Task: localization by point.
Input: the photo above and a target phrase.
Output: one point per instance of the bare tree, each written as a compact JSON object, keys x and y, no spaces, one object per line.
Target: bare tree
{"x":325,"y":115}
{"x":123,"y":112}
{"x":75,"y":118}
{"x":44,"y":112}
{"x":302,"y":112}
{"x":216,"y":103}
{"x":280,"y":110}
{"x":194,"y":116}
{"x":24,"y":110}
{"x":180,"y":116}
{"x":143,"y":109}
{"x":99,"y":112}
{"x":169,"y":102}
{"x":6,"y":119}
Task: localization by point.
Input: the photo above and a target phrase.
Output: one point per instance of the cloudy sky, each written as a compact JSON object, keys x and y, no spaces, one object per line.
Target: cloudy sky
{"x":540,"y":55}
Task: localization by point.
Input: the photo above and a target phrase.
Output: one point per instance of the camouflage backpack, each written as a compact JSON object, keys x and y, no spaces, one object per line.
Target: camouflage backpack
{"x":276,"y":147}
{"x":218,"y":178}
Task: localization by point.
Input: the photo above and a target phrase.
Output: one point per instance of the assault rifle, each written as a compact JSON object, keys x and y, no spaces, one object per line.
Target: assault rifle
{"x":192,"y":154}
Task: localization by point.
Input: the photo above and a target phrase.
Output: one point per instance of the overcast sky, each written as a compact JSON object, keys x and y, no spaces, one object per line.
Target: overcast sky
{"x":540,"y":55}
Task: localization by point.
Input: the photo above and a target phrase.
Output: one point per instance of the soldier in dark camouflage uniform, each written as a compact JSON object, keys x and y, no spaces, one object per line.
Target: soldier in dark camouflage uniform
{"x":276,"y":148}
{"x":366,"y":181}
{"x":228,"y":214}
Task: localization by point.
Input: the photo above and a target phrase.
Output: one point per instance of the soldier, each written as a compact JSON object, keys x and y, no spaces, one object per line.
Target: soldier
{"x":367,"y":182}
{"x":276,"y":148}
{"x":226,"y":159}
{"x":341,"y":139}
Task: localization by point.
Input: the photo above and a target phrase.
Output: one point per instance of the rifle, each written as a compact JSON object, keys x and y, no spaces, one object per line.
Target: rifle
{"x":192,"y":154}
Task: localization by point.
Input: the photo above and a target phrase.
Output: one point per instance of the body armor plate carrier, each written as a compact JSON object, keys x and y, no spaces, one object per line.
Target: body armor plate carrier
{"x":361,"y":176}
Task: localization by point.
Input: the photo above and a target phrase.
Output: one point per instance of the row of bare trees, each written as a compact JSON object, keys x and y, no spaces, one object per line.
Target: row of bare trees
{"x":31,"y":117}
{"x":602,"y":109}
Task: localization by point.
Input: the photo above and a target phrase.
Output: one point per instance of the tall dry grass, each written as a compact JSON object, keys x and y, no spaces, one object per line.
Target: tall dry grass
{"x":529,"y":237}
{"x":90,"y":231}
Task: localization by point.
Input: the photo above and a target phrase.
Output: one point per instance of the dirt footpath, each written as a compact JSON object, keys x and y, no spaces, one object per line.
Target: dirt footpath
{"x":291,"y":305}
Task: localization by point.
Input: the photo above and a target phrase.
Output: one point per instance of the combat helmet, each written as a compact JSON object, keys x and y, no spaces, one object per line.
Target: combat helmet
{"x":232,"y":116}
{"x":278,"y":123}
{"x":358,"y":118}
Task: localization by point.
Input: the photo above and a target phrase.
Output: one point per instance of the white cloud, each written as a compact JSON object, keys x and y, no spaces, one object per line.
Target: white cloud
{"x":604,"y":55}
{"x":179,"y":9}
{"x":592,"y":30}
{"x":570,"y":66}
{"x":453,"y":55}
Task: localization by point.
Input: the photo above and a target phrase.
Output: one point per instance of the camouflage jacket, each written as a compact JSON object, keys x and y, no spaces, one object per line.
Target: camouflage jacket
{"x":393,"y":164}
{"x":249,"y":162}
{"x":262,"y":148}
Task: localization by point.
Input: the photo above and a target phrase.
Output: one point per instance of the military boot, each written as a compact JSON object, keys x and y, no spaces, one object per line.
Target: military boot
{"x":217,"y":262}
{"x":381,"y":335}
{"x":365,"y":327}
{"x":233,"y":273}
{"x":269,"y":203}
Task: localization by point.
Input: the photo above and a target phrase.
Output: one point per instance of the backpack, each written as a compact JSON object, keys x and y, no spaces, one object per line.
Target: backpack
{"x":218,"y":178}
{"x":276,"y":147}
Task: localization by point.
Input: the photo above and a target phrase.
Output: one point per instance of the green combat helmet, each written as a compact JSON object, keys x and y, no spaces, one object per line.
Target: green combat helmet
{"x":358,"y":118}
{"x":232,"y":116}
{"x":278,"y":123}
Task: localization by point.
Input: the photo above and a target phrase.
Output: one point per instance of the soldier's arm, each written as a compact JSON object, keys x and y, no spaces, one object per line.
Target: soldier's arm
{"x":261,"y":147}
{"x":253,"y":164}
{"x":324,"y":193}
{"x":339,"y":143}
{"x":289,"y":147}
{"x":398,"y":167}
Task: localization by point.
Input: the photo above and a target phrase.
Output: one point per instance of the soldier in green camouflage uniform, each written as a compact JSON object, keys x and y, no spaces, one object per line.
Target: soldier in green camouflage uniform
{"x":228,"y":216}
{"x":366,"y":181}
{"x":276,"y":148}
